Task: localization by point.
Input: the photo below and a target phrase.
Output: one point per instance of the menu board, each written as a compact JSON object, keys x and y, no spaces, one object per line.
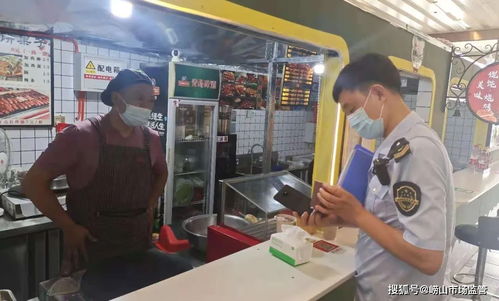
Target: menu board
{"x":25,"y":80}
{"x":297,"y":79}
{"x":242,"y":90}
{"x":294,"y":51}
{"x":483,"y":94}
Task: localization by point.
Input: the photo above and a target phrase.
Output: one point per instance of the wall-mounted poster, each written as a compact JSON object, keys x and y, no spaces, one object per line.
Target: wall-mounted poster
{"x":25,"y":80}
{"x":242,"y":90}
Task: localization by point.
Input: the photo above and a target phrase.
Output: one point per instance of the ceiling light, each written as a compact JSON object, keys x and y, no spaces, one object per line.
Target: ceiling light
{"x":121,"y":8}
{"x":319,"y":68}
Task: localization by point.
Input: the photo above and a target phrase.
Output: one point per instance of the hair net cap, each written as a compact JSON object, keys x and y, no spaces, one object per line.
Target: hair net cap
{"x":124,"y":79}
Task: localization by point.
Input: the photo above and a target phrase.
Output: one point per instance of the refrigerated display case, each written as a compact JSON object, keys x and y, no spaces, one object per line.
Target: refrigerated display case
{"x":191,"y":148}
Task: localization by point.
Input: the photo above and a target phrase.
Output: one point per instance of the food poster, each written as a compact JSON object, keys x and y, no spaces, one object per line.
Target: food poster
{"x":25,"y":80}
{"x":483,"y":94}
{"x":242,"y":90}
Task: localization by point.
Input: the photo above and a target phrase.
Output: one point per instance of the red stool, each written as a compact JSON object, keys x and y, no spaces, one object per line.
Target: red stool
{"x":169,"y":243}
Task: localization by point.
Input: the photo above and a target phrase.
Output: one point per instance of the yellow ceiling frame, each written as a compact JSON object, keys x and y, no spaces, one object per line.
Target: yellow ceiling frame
{"x":330,"y":123}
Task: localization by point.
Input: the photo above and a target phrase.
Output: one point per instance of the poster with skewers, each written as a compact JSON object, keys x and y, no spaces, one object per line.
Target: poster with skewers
{"x":25,"y":80}
{"x":242,"y":90}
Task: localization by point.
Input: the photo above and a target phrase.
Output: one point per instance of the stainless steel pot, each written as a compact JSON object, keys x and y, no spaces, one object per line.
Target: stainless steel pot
{"x":58,"y":185}
{"x":196,"y":227}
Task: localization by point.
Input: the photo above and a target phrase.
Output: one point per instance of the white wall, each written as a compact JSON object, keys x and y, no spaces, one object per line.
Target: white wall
{"x":28,"y":143}
{"x":423,"y":100}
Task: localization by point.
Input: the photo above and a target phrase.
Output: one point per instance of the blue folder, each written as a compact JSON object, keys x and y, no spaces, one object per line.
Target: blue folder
{"x":354,"y":178}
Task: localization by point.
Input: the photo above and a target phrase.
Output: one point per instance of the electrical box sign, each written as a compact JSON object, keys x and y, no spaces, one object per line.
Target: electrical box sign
{"x":95,"y":73}
{"x":483,"y":94}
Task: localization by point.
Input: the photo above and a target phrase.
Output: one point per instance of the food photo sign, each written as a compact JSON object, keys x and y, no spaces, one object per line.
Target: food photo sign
{"x":25,"y":80}
{"x":242,"y":90}
{"x":483,"y":94}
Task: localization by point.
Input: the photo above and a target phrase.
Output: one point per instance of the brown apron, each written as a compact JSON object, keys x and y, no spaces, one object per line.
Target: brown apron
{"x":113,"y":206}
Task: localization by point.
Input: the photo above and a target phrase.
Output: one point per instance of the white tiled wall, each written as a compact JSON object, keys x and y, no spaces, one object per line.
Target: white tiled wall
{"x":249,"y":128}
{"x":28,"y":143}
{"x":459,"y":136}
{"x":423,"y":101}
{"x":289,"y":130}
{"x":420,"y":102}
{"x":410,"y":100}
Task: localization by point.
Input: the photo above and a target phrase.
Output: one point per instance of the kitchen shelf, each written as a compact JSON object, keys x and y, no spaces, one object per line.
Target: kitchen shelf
{"x":191,"y":140}
{"x":190,"y":204}
{"x":189,"y":173}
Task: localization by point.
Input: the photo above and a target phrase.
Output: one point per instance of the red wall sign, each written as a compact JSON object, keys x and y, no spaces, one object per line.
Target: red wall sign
{"x":483,"y":94}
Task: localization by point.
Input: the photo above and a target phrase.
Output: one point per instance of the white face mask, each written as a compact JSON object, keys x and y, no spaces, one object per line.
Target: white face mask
{"x":133,"y":115}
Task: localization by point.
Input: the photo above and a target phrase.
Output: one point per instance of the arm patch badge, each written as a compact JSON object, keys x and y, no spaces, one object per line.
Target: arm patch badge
{"x":407,"y":197}
{"x":399,"y":149}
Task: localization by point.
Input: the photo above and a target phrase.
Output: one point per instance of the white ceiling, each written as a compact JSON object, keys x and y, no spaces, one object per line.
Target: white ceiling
{"x":435,"y":16}
{"x":148,"y":29}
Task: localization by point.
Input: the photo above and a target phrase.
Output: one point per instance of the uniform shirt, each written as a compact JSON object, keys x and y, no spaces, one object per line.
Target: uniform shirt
{"x":75,"y":151}
{"x":427,"y":167}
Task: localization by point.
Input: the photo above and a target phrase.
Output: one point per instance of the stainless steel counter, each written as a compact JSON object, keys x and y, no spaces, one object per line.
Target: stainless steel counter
{"x":260,"y":189}
{"x":30,"y":252}
{"x":10,"y":227}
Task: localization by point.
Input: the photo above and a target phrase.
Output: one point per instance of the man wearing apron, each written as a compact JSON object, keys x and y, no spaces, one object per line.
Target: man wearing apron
{"x":406,"y":226}
{"x":116,"y":171}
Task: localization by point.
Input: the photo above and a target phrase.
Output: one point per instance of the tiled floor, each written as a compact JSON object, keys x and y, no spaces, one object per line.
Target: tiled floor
{"x":491,"y":278}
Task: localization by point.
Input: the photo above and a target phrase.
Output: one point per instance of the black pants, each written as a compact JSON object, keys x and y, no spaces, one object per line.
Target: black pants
{"x":121,"y":275}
